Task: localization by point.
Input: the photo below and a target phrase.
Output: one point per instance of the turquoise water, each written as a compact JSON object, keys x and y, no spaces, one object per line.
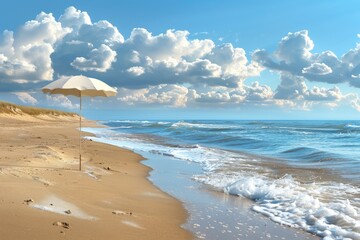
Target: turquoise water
{"x":304,"y":174}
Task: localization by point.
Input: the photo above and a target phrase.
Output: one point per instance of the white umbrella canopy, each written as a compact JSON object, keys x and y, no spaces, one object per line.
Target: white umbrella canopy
{"x":80,"y":86}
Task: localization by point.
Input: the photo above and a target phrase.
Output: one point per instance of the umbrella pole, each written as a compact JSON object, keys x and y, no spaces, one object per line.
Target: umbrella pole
{"x":80,"y":138}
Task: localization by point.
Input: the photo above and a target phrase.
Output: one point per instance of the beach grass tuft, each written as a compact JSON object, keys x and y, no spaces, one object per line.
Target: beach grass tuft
{"x":10,"y":108}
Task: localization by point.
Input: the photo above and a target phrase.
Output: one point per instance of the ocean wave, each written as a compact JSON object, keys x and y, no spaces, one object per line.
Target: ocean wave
{"x":128,"y":121}
{"x":288,"y":202}
{"x":352,"y":126}
{"x":121,"y":127}
{"x":214,"y":127}
{"x":327,"y":209}
{"x":300,"y":151}
{"x":311,"y":157}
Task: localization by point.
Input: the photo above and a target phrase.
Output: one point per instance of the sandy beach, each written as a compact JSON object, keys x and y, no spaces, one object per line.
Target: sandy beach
{"x":44,"y":196}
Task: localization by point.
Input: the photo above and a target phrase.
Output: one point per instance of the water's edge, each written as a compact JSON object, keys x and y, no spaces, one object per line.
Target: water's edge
{"x":212,"y":215}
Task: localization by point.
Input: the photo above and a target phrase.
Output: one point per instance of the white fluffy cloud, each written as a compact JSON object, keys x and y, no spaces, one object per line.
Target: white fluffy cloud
{"x":169,"y":68}
{"x":295,"y":88}
{"x":99,"y":59}
{"x":171,"y":95}
{"x":26,"y":98}
{"x":163,"y":67}
{"x":356,"y":103}
{"x":295,"y":62}
{"x":74,"y":19}
{"x":294,"y":57}
{"x":172,"y":44}
{"x":181,"y":96}
{"x":60,"y":100}
{"x":317,"y":69}
{"x":25,"y":54}
{"x":136,"y":70}
{"x":88,"y":47}
{"x":145,"y":60}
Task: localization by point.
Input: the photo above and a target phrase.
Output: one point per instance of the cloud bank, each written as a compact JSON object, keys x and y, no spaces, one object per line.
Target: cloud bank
{"x":170,"y":68}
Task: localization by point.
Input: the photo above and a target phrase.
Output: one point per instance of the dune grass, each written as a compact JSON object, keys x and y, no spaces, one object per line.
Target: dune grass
{"x":10,"y":108}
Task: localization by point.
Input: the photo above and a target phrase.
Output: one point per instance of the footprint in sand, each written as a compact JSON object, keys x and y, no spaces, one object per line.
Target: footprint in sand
{"x":62,"y":224}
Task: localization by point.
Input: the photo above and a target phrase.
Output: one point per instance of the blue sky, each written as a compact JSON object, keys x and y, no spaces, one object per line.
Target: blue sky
{"x":188,"y":59}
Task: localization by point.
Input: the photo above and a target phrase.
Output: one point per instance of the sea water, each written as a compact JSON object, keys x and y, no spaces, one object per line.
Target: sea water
{"x":304,"y":174}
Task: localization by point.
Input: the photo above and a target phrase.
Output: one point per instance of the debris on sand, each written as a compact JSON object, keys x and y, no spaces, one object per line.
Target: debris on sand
{"x":62,"y":224}
{"x":118,"y":212}
{"x":28,"y":201}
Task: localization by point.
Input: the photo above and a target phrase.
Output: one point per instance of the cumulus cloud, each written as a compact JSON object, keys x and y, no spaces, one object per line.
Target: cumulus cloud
{"x":169,"y":68}
{"x":294,"y":49}
{"x":294,"y":88}
{"x":88,"y":47}
{"x":296,"y":64}
{"x":171,"y":44}
{"x":258,"y":93}
{"x":136,"y":70}
{"x":74,"y":19}
{"x":26,"y":98}
{"x":99,"y":59}
{"x":73,"y":44}
{"x":317,"y":69}
{"x":294,"y":57}
{"x":60,"y":100}
{"x":145,"y":60}
{"x":233,"y":61}
{"x":355,"y":103}
{"x":171,"y":95}
{"x":25,"y":54}
{"x":255,"y":94}
{"x":322,"y":94}
{"x":181,"y":96}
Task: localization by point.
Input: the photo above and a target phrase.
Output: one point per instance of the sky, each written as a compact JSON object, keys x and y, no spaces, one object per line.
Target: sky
{"x":187,"y":59}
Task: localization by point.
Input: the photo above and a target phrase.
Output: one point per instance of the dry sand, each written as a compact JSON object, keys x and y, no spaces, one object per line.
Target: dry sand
{"x":44,"y":196}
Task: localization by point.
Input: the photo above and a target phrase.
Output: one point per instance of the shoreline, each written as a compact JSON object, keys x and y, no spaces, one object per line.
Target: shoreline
{"x":212,"y":214}
{"x":47,"y":198}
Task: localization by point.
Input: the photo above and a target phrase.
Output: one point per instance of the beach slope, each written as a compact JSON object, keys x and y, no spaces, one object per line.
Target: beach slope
{"x":44,"y":196}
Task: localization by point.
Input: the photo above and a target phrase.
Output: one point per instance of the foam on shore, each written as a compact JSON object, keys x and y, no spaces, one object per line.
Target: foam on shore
{"x":328,"y":209}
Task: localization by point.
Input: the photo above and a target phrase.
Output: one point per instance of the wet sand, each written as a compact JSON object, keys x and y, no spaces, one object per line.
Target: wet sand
{"x":213,"y":214}
{"x":44,"y":196}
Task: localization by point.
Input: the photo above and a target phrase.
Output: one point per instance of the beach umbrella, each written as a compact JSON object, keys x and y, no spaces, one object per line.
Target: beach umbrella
{"x":79,"y":86}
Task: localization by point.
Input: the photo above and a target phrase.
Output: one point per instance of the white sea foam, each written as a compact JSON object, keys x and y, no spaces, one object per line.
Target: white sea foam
{"x":288,"y":202}
{"x":200,"y":125}
{"x":128,"y":121}
{"x":328,"y":209}
{"x":352,"y":126}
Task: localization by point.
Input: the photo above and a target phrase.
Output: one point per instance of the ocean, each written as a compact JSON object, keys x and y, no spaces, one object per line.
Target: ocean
{"x":303,"y":174}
